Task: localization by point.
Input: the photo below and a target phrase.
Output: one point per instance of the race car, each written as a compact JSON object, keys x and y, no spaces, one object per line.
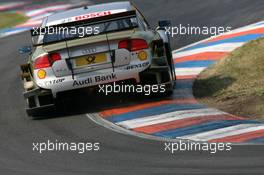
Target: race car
{"x":91,"y":46}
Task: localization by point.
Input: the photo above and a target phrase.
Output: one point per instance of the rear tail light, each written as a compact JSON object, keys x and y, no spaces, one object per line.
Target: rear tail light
{"x":133,"y":44}
{"x":47,"y":60}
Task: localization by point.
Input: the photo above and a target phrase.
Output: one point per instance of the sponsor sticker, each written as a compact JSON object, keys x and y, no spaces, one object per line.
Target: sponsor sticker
{"x":137,"y":66}
{"x":53,"y":82}
{"x":87,"y":16}
{"x":95,"y":79}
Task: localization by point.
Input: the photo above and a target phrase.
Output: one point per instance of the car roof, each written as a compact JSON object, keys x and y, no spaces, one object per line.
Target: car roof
{"x":126,"y":6}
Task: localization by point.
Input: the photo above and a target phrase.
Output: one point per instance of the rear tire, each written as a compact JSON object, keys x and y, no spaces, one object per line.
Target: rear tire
{"x":159,"y":77}
{"x":170,"y":86}
{"x":170,"y":60}
{"x":171,"y":67}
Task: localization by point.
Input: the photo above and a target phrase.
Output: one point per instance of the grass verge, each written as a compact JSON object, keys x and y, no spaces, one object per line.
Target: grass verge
{"x":10,"y":19}
{"x":236,"y":83}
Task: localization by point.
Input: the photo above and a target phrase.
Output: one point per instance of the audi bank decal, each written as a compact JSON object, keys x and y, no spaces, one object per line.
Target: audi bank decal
{"x":96,"y":79}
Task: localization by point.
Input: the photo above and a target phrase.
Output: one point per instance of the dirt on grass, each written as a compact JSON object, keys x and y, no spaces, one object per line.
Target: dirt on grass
{"x":10,"y":19}
{"x":236,"y":83}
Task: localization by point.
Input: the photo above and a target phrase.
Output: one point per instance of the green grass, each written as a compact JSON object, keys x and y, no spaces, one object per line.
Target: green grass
{"x":236,"y":83}
{"x":11,"y":19}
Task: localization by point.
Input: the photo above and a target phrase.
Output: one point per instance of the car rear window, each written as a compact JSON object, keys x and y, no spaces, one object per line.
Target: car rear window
{"x":86,"y":30}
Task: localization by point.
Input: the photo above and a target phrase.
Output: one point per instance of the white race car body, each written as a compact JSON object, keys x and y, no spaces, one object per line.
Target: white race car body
{"x":120,"y":46}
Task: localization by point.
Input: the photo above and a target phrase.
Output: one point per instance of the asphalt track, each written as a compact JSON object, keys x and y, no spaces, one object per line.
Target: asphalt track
{"x":119,"y":154}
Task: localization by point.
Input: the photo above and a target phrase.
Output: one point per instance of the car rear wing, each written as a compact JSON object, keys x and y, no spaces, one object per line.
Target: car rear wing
{"x":38,"y":34}
{"x":102,"y":19}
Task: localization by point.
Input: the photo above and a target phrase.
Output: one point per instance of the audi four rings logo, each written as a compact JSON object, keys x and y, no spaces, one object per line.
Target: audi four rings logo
{"x":89,"y":50}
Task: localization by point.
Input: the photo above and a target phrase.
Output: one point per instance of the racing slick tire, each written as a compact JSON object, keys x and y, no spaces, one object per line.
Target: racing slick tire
{"x":163,"y":74}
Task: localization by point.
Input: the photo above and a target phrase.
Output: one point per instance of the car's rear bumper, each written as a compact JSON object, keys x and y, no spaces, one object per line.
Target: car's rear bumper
{"x":91,"y":79}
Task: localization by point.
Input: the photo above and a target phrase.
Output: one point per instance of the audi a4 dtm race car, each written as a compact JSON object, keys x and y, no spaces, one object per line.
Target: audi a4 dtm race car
{"x":117,"y":45}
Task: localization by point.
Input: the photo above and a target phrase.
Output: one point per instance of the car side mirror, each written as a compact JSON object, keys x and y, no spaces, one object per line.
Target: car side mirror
{"x":164,"y":23}
{"x":25,"y":50}
{"x":161,"y":29}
